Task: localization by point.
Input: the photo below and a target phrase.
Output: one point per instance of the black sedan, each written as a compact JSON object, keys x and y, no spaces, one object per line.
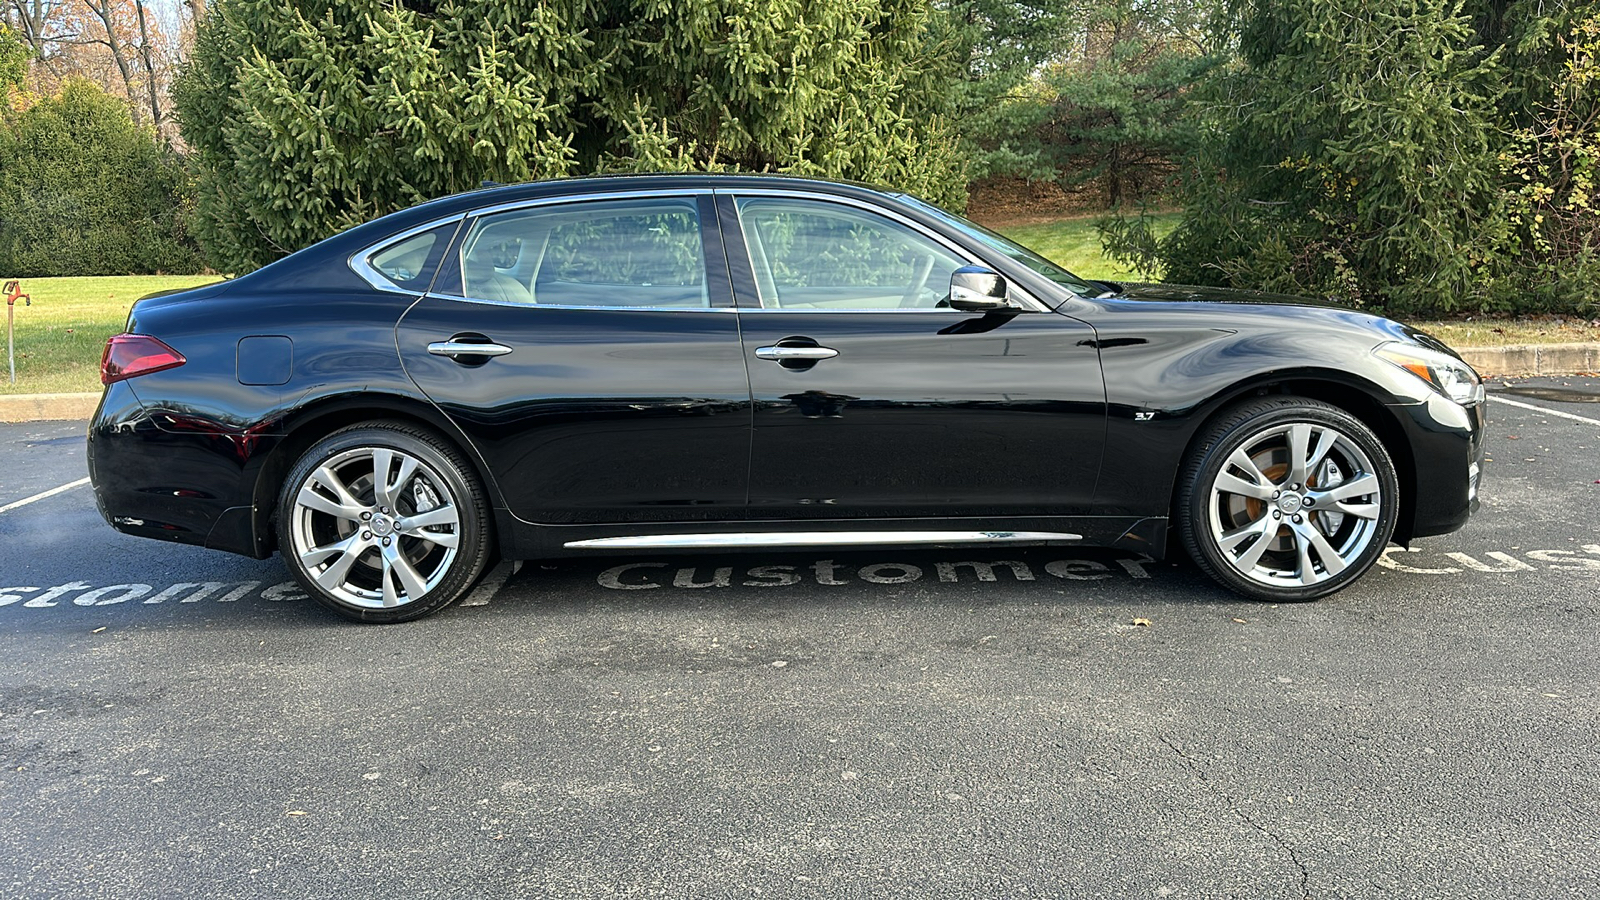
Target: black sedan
{"x":709,"y":362}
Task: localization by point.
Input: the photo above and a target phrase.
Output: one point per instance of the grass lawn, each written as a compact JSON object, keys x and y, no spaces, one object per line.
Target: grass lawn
{"x":59,"y":337}
{"x":1480,"y":332}
{"x":1075,"y":245}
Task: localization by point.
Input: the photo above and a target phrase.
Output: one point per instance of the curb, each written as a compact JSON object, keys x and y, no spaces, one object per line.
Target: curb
{"x":46,"y":407}
{"x":1533,"y":359}
{"x":1519,"y":359}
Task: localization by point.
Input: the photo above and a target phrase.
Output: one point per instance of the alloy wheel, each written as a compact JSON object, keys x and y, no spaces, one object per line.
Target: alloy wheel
{"x":375,"y":527}
{"x":1295,"y":505}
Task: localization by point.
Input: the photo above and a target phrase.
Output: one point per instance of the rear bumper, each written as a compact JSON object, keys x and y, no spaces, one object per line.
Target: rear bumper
{"x":160,"y":474}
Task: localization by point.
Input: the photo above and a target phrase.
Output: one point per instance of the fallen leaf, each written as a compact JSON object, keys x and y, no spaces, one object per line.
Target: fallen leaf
{"x":1142,"y":623}
{"x":1241,"y":621}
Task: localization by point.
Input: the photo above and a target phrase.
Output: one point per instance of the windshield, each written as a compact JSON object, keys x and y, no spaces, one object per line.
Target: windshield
{"x":1011,"y":249}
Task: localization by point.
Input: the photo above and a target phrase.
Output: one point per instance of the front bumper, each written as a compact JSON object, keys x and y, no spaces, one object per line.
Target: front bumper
{"x":1447,"y":447}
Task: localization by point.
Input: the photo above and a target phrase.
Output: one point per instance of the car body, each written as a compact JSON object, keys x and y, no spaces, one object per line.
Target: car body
{"x":710,"y":361}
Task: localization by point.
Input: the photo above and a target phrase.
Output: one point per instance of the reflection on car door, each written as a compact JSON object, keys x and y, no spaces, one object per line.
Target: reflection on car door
{"x":874,"y":400}
{"x":611,"y":386}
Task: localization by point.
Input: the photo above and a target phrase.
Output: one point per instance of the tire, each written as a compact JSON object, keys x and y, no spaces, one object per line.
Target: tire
{"x":376,"y":558}
{"x":1286,"y":499}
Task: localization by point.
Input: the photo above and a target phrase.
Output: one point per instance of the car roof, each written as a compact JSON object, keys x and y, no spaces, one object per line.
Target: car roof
{"x":495,"y":194}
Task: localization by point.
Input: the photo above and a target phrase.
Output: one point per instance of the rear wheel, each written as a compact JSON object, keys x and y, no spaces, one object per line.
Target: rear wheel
{"x":1287,"y":499}
{"x":383,"y":523}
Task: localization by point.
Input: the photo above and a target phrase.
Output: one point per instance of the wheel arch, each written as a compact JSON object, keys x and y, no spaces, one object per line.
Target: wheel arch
{"x":1361,"y":399}
{"x":314,"y":421}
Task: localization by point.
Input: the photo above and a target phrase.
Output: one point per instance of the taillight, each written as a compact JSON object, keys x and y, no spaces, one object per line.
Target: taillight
{"x":131,"y":355}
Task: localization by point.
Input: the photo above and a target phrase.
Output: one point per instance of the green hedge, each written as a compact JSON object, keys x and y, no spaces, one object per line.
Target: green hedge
{"x":84,"y":191}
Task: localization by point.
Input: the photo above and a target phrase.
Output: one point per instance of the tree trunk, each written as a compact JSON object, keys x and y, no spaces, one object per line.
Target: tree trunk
{"x":119,"y":51}
{"x":147,"y":56}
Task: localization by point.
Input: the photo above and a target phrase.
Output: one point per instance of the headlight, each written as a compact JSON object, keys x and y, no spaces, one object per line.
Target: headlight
{"x":1448,"y":375}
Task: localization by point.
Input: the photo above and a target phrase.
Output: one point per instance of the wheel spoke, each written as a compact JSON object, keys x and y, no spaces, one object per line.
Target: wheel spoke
{"x":333,"y":576}
{"x":382,"y":461}
{"x":388,"y":489}
{"x":1234,"y":538}
{"x":1359,"y":510}
{"x":439,"y":515}
{"x":328,"y":479}
{"x":390,"y":598}
{"x":1303,"y":458}
{"x":1266,"y":528}
{"x":1308,"y":538}
{"x":310,"y":499}
{"x":1354,"y":487}
{"x":316,"y":556}
{"x":395,"y":561}
{"x":442,"y":538}
{"x":1306,"y":571}
{"x":1242,"y":461}
{"x":1326,"y":438}
{"x":1232,"y":484}
{"x":408,"y":468}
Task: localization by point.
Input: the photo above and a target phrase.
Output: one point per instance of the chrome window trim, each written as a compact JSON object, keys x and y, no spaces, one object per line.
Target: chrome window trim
{"x":1031,"y":303}
{"x":511,"y":205}
{"x":361,"y":260}
{"x":716,"y":309}
{"x":691,"y":194}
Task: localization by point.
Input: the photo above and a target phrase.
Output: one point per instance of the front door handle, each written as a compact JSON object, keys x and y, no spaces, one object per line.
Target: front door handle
{"x":804,"y":353}
{"x":454,"y":349}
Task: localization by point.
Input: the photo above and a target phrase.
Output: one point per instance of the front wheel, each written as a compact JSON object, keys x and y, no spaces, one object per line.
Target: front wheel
{"x":1287,"y":499}
{"x":383,"y":523}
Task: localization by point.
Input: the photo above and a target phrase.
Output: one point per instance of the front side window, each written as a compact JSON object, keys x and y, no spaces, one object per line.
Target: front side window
{"x":609,"y":253}
{"x":810,"y":254}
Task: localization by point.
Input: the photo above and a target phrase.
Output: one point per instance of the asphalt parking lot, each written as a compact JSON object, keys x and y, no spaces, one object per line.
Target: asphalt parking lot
{"x":961,"y":723}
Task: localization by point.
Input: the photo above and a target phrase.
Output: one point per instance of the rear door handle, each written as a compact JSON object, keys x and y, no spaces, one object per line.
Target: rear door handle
{"x":782,"y":353}
{"x":455,"y":349}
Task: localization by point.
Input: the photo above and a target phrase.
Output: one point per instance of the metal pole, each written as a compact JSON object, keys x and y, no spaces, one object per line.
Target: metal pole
{"x":11,"y":345}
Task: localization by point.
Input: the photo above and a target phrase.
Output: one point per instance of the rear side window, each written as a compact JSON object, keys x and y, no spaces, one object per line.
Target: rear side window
{"x":408,"y":263}
{"x":641,"y":253}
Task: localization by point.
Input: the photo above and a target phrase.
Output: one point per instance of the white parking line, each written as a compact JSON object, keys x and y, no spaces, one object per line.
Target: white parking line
{"x":1552,"y":412}
{"x":50,"y":493}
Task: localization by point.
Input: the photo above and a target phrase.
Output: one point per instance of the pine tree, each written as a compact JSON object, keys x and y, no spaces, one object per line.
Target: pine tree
{"x":308,"y":116}
{"x":1352,"y":153}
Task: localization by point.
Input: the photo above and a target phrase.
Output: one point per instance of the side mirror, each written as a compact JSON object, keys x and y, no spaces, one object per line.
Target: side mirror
{"x":977,"y":289}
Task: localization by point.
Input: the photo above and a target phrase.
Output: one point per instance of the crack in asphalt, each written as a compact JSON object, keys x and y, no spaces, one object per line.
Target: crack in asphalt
{"x":1190,"y":764}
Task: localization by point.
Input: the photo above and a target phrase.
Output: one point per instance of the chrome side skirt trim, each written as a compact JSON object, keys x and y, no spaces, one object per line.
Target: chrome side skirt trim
{"x":815,"y":539}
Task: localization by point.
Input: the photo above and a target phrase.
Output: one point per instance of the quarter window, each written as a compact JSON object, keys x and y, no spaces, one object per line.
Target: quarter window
{"x":611,"y":253}
{"x":815,"y":255}
{"x":409,"y":263}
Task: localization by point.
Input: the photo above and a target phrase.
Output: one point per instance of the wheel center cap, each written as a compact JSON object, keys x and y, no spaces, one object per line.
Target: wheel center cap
{"x":381,"y":525}
{"x":1290,"y":503}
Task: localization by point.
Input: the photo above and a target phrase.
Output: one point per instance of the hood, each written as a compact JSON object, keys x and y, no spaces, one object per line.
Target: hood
{"x":1189,"y":293}
{"x":1237,"y":305}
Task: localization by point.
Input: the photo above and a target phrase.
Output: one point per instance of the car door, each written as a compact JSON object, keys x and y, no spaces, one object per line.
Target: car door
{"x":872,"y":399}
{"x":610,"y":384}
